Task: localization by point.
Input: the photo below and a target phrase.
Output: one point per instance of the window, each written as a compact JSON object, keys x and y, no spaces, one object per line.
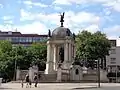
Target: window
{"x":30,"y":39}
{"x":113,"y":43}
{"x":113,"y":51}
{"x":113,"y":61}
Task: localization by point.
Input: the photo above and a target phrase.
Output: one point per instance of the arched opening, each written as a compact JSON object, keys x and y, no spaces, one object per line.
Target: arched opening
{"x":76,"y":71}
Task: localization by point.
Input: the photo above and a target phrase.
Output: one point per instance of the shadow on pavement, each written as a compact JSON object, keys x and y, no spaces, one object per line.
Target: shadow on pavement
{"x":85,"y":88}
{"x":4,"y":88}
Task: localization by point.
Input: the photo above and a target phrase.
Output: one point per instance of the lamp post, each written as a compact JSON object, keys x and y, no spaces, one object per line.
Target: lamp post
{"x":98,"y":71}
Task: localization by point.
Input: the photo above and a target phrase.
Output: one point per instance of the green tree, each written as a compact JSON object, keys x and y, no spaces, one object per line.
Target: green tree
{"x":5,"y":46}
{"x":21,"y":57}
{"x":40,"y":54}
{"x":5,"y":60}
{"x":92,"y":46}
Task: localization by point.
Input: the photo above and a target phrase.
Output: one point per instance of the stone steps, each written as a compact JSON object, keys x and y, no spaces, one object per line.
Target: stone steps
{"x":50,"y":77}
{"x":90,"y":77}
{"x":82,"y":81}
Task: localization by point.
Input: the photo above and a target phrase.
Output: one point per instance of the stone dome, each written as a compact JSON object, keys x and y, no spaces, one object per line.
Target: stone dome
{"x":61,"y":32}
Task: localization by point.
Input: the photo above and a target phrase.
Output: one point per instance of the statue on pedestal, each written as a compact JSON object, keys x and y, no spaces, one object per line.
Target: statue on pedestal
{"x":62,"y":18}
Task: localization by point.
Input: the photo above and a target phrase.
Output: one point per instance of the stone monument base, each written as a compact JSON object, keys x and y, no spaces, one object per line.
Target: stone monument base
{"x":0,"y":81}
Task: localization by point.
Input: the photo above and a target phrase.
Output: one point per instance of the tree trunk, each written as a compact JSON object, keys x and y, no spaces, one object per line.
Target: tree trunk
{"x":105,"y":62}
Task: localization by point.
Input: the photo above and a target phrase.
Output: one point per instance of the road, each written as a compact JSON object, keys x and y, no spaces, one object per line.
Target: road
{"x":62,"y":86}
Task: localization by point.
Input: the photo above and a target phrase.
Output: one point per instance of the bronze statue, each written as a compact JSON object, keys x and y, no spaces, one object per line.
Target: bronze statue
{"x":74,"y":36}
{"x":68,"y":32}
{"x":61,"y":55}
{"x":62,"y":18}
{"x":49,"y":33}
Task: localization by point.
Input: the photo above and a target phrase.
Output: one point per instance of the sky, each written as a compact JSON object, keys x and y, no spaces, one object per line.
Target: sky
{"x":38,"y":16}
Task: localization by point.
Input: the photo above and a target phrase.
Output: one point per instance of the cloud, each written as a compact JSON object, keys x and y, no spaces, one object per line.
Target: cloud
{"x":112,"y":4}
{"x":7,"y":17}
{"x":35,"y":27}
{"x":112,"y":32}
{"x":32,"y":28}
{"x":30,"y":3}
{"x":115,"y":5}
{"x":72,"y":20}
{"x":113,"y":29}
{"x":1,"y":6}
{"x":70,"y":16}
{"x":8,"y":22}
{"x":6,"y":27}
{"x":83,"y":1}
{"x":93,"y":28}
{"x":57,"y":8}
{"x":64,"y":2}
{"x":25,"y":15}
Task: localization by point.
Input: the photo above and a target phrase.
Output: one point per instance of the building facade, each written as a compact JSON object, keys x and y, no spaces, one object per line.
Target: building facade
{"x":112,"y":61}
{"x":23,"y":39}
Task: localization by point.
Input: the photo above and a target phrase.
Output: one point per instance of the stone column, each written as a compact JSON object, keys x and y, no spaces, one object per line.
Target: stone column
{"x":74,"y":51}
{"x":18,"y":74}
{"x":31,"y":73}
{"x":55,"y":56}
{"x":59,"y":75}
{"x":49,"y":63}
{"x":66,"y":54}
{"x":70,"y":52}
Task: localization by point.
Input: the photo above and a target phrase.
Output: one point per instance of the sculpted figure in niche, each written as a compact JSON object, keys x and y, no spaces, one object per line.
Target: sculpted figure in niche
{"x":49,"y":33}
{"x":61,"y":54}
{"x":73,"y":36}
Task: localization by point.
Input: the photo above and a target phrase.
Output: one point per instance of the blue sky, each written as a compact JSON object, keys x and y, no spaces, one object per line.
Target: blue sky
{"x":37,"y":16}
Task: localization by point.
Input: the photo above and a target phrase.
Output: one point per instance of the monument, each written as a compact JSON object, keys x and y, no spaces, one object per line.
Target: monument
{"x":60,"y":48}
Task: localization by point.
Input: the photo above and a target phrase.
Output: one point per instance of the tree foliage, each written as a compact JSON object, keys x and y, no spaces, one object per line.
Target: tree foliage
{"x":92,"y":45}
{"x":22,"y":56}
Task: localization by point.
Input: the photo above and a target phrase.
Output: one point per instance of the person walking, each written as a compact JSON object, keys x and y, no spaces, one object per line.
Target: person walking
{"x":27,"y":80}
{"x":30,"y":83}
{"x":36,"y":80}
{"x":22,"y":83}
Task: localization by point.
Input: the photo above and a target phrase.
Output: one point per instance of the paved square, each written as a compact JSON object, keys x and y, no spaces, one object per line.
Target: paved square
{"x":62,"y":86}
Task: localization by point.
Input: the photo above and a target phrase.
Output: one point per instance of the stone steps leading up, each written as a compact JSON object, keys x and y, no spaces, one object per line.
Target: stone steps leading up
{"x":81,"y":81}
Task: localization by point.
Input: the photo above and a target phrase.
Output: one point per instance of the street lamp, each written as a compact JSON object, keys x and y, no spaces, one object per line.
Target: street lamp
{"x":98,"y":71}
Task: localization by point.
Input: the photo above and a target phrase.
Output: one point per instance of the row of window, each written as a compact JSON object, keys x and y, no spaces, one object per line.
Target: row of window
{"x":25,"y":39}
{"x":112,"y":51}
{"x":113,"y":60}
